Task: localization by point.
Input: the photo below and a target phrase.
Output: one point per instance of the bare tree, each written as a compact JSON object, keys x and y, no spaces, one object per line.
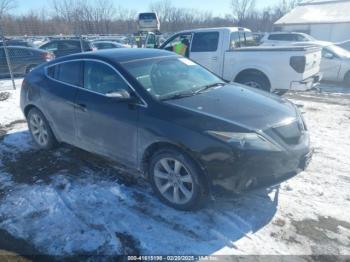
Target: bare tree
{"x":241,"y":9}
{"x":6,"y":6}
{"x":163,"y":8}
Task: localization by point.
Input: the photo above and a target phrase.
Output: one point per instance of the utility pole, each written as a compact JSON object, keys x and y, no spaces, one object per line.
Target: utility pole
{"x":7,"y":56}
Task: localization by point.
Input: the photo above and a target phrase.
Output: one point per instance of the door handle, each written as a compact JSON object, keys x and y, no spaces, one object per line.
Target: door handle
{"x":215,"y":58}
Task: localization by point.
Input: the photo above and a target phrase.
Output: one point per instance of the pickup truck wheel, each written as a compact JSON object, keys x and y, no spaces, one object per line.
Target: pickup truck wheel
{"x":176,"y":179}
{"x":347,"y":79}
{"x":257,"y":81}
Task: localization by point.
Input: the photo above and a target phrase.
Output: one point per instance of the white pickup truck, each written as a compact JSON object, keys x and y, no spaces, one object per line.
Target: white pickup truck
{"x":230,"y":52}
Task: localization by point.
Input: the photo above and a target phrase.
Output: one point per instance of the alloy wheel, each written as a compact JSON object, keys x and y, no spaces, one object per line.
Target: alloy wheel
{"x":39,"y":129}
{"x":173,"y":180}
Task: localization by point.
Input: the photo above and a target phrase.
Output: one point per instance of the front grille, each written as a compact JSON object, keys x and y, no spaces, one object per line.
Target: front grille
{"x":291,"y":133}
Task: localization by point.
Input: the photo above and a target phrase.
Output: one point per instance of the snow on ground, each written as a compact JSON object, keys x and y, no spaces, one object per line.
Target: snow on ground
{"x":68,"y":202}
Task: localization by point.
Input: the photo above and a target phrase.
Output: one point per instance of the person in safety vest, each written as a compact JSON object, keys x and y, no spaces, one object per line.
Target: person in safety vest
{"x":182,"y":47}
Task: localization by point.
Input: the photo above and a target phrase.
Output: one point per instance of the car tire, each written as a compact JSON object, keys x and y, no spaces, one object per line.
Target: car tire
{"x":347,"y":79}
{"x":257,"y":81}
{"x":40,"y":130}
{"x":182,"y":189}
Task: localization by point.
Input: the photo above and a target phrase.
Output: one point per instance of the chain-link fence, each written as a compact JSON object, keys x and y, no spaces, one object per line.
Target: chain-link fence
{"x":20,"y":54}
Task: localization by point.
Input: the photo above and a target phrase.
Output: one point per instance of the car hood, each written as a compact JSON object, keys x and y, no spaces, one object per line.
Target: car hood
{"x":240,"y":105}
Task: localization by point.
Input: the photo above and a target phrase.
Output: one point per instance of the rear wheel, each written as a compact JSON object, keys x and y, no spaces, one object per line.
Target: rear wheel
{"x":40,"y":130}
{"x":176,"y":179}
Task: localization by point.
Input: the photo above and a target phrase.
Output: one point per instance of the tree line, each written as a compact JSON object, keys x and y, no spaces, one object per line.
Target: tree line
{"x":76,"y":17}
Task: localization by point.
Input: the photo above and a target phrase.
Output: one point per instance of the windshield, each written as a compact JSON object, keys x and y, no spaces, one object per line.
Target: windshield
{"x":167,"y":77}
{"x":340,"y":52}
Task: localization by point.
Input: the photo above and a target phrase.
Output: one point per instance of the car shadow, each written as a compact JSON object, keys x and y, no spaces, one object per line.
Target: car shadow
{"x":68,"y":202}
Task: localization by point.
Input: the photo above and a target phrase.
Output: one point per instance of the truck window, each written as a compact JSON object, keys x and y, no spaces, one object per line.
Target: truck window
{"x":205,"y":42}
{"x":242,"y":39}
{"x":184,"y":39}
{"x":248,"y":39}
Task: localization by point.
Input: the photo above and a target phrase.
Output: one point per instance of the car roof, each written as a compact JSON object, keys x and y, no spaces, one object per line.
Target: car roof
{"x":120,"y":55}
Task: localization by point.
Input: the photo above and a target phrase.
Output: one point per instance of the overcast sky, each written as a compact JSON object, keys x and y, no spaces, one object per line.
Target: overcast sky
{"x":218,"y":7}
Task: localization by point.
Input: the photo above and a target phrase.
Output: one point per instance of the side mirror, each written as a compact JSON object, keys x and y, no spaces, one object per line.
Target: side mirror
{"x":328,"y":56}
{"x":121,"y":95}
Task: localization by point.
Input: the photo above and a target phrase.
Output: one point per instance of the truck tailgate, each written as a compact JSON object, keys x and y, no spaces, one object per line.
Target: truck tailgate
{"x":313,"y":62}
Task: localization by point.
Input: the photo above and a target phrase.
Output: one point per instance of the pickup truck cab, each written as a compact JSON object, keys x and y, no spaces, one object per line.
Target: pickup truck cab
{"x":232,"y":54}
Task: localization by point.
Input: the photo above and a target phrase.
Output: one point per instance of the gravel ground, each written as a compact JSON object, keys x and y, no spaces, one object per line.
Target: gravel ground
{"x":69,"y":202}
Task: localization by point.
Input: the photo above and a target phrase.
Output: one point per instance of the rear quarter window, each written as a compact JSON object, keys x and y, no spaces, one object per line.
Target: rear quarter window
{"x":68,"y":72}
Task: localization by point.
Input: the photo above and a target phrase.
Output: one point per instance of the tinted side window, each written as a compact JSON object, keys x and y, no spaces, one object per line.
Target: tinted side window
{"x":205,"y":42}
{"x":101,"y":78}
{"x":281,"y":37}
{"x":69,"y":72}
{"x":52,"y":46}
{"x":72,"y":45}
{"x":105,"y":46}
{"x":86,"y":45}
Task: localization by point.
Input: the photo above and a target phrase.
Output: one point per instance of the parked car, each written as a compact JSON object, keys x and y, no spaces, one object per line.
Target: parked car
{"x":13,"y":42}
{"x":107,"y":45}
{"x":345,"y":45}
{"x":232,"y":54}
{"x":148,"y":22}
{"x":285,"y":38}
{"x":162,"y":115}
{"x":335,"y":65}
{"x":67,"y":47}
{"x":22,"y":59}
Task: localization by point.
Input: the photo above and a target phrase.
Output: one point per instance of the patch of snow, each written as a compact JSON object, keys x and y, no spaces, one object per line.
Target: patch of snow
{"x":10,"y":108}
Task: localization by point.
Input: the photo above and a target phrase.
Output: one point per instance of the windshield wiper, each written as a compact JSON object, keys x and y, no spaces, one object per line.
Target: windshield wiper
{"x":205,"y":88}
{"x":178,"y":96}
{"x":193,"y":93}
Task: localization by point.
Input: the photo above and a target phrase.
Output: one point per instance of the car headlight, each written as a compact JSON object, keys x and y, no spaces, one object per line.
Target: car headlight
{"x":249,"y":141}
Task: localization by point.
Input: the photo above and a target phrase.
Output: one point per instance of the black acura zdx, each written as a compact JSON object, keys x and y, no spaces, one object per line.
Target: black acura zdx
{"x":183,"y":128}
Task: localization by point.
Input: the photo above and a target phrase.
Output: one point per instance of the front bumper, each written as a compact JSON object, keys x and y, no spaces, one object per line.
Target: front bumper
{"x":259,"y":170}
{"x":307,"y":84}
